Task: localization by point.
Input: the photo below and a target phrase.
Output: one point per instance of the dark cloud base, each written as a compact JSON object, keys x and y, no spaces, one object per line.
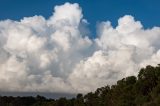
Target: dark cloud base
{"x":34,"y":94}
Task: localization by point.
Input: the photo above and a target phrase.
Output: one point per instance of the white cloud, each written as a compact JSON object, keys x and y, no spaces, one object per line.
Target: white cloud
{"x":68,"y":14}
{"x":56,"y":55}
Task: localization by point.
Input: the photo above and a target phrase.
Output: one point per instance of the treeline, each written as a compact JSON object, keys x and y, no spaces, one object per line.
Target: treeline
{"x":143,"y":90}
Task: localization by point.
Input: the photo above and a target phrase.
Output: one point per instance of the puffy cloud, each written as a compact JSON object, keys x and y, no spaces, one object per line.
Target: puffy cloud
{"x":70,"y":17}
{"x":57,"y":55}
{"x":39,"y":54}
{"x":122,"y":52}
{"x":127,"y":25}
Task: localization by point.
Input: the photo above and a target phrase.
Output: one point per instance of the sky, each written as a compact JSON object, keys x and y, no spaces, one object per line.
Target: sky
{"x":69,"y":47}
{"x":93,"y":10}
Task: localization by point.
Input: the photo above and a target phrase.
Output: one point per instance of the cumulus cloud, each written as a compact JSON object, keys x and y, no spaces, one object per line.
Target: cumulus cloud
{"x":57,"y":55}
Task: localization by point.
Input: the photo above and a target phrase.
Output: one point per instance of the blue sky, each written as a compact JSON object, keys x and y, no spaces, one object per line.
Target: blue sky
{"x":146,"y":11}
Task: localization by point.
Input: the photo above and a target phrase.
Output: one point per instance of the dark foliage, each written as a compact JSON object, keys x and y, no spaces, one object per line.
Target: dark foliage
{"x":143,"y":90}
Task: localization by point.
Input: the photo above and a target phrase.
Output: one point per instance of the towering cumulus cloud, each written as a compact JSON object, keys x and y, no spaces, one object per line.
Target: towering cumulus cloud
{"x":56,"y":55}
